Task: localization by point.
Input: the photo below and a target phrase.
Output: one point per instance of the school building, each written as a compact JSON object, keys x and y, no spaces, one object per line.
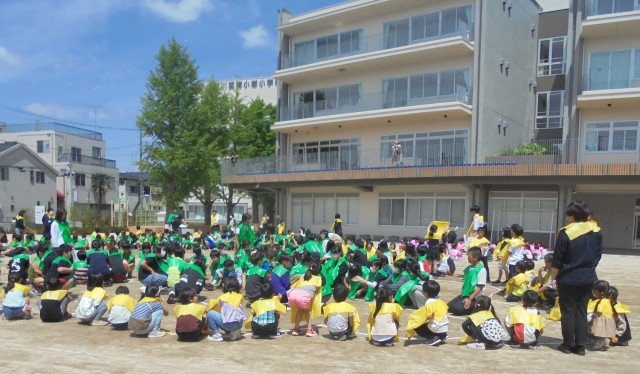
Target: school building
{"x":397,"y":113}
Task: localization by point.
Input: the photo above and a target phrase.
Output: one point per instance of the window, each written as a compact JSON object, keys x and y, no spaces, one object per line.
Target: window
{"x":80,"y":180}
{"x":32,"y":177}
{"x":535,"y":211}
{"x":133,"y":189}
{"x":429,"y":148}
{"x":323,"y":100}
{"x":549,"y":110}
{"x":551,"y":56}
{"x":40,"y":177}
{"x":419,"y":209}
{"x":329,"y":154}
{"x":327,"y":47}
{"x":422,"y":88}
{"x":396,"y":34}
{"x":614,"y":70}
{"x":602,"y":7}
{"x":43,"y":146}
{"x":76,"y":154}
{"x":428,"y":26}
{"x":4,"y":174}
{"x":325,"y":207}
{"x":97,"y":152}
{"x":612,"y":136}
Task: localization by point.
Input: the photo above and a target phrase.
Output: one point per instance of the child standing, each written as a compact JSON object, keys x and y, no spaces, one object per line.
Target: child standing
{"x":524,"y":323}
{"x":384,"y":317}
{"x":226,"y":312}
{"x":146,"y":317}
{"x":54,"y":302}
{"x":515,"y":248}
{"x":305,"y":299}
{"x":190,"y":316}
{"x":93,"y":304}
{"x":266,"y":314}
{"x":602,"y":325}
{"x":483,"y":327}
{"x":620,"y":311}
{"x":430,"y":321}
{"x":342,"y":319}
{"x":120,"y":308}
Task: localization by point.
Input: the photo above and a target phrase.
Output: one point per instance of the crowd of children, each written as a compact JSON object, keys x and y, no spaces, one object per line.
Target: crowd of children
{"x":299,"y":274}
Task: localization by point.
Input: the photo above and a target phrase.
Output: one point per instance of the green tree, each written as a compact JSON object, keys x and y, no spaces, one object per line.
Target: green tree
{"x":252,"y":137}
{"x":168,"y":116}
{"x":214,"y":117}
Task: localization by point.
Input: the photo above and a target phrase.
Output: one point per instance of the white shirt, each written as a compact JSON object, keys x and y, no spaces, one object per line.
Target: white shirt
{"x":441,"y":326}
{"x":56,"y":235}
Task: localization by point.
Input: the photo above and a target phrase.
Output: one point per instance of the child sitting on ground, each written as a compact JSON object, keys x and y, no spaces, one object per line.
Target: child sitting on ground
{"x":384,"y":317}
{"x":430,"y":321}
{"x":620,"y":311}
{"x":120,"y":308}
{"x":16,"y":298}
{"x":517,"y":285}
{"x":602,"y":325}
{"x":255,"y":277}
{"x":226,"y":312}
{"x":265,"y":314}
{"x":80,"y":268}
{"x":93,"y":304}
{"x":146,"y":317}
{"x":483,"y":327}
{"x":54,"y":302}
{"x":524,"y":323}
{"x":190,"y":316}
{"x":341,"y":318}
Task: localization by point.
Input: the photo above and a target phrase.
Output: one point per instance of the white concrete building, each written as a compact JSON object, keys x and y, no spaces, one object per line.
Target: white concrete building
{"x":265,"y":88}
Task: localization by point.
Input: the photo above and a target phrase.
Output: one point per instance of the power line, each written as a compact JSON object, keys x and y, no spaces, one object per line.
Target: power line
{"x":18,"y":110}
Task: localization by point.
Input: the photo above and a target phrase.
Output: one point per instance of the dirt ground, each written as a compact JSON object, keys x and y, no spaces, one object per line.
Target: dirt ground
{"x":34,"y":347}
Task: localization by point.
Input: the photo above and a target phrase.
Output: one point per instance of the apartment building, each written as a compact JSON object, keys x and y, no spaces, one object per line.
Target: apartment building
{"x":77,"y":154}
{"x":605,"y":108}
{"x":394,"y":114}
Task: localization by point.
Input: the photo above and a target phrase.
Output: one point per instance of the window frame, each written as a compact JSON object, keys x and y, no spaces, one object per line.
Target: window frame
{"x":40,"y":177}
{"x":545,"y":68}
{"x":608,"y":129}
{"x":4,"y":173}
{"x":433,"y":198}
{"x":80,"y":180}
{"x":546,"y":117}
{"x":43,"y":146}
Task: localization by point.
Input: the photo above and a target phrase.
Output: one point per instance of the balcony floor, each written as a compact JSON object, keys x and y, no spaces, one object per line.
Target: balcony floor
{"x":627,"y":98}
{"x":616,"y":24}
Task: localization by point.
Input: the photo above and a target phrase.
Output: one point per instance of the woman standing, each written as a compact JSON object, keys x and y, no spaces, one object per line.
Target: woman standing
{"x":245,"y":231}
{"x":577,"y":254}
{"x":60,"y":233}
{"x":20,"y":223}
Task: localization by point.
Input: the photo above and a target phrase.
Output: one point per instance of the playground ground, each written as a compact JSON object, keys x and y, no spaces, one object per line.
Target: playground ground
{"x":34,"y":347}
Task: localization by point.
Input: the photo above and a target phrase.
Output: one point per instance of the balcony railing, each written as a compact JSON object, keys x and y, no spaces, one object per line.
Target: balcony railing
{"x":604,"y":7}
{"x":364,"y":103}
{"x":367,"y":44}
{"x":596,"y":82}
{"x":86,"y":160}
{"x":51,"y":126}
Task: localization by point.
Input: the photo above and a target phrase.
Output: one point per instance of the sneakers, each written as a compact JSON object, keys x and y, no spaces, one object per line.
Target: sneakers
{"x":295,"y":332}
{"x":311,"y":333}
{"x":433,"y":341}
{"x":208,"y":287}
{"x":476,"y":346}
{"x":215,"y":338}
{"x":98,"y":322}
{"x":276,"y":336}
{"x":512,"y":344}
{"x":235,"y":335}
{"x":339,"y":337}
{"x":564,"y":349}
{"x":501,"y":293}
{"x":532,"y":346}
{"x":171,"y":298}
{"x":156,"y":334}
{"x":378,"y":344}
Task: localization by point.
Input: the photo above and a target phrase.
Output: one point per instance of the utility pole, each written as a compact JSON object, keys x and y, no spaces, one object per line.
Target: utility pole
{"x":140,"y":179}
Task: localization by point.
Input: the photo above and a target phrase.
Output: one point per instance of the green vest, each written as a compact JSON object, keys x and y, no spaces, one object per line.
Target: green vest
{"x":371,"y":292}
{"x":470,"y":279}
{"x":280,"y":271}
{"x":355,"y":286}
{"x":403,"y":292}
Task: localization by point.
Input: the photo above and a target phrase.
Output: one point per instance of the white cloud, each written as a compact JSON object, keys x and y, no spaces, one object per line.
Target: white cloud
{"x":8,"y":58}
{"x":179,"y":11}
{"x":65,"y":112}
{"x":256,"y":37}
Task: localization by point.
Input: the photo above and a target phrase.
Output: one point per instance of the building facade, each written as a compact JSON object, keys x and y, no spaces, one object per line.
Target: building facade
{"x":77,"y":154}
{"x":396,"y":114}
{"x":265,"y":88}
{"x":26,"y":181}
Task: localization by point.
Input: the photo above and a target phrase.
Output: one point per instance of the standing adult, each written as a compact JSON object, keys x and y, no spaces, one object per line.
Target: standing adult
{"x":336,"y":227}
{"x":396,"y":153}
{"x":176,"y":223}
{"x":19,"y":227}
{"x":60,"y":233}
{"x":47,"y":220}
{"x":576,"y":255}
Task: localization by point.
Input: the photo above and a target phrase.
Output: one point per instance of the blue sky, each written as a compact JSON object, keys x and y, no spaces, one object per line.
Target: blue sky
{"x":88,"y":60}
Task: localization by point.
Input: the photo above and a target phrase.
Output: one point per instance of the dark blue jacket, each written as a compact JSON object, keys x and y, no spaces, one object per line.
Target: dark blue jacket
{"x":577,"y":259}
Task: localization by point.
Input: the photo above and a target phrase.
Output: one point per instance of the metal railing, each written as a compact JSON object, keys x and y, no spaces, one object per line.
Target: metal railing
{"x":601,"y":81}
{"x":555,"y":151}
{"x":367,"y":44}
{"x":604,"y":7}
{"x":51,"y":126}
{"x":363,"y":103}
{"x":86,"y":160}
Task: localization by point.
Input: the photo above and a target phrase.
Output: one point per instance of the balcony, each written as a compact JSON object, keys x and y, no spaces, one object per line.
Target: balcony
{"x":373,"y":53}
{"x":604,"y":18}
{"x":86,"y":160}
{"x":51,"y":126}
{"x":600,"y":92}
{"x":557,"y":164}
{"x":371,"y":105}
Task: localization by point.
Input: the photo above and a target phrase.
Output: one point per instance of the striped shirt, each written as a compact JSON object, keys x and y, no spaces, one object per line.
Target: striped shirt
{"x":144,"y":310}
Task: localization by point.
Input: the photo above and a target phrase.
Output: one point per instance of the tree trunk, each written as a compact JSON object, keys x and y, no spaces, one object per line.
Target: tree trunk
{"x":229,"y":205}
{"x":207,"y":205}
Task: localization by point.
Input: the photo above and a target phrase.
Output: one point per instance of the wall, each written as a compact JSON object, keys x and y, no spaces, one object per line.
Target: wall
{"x":607,"y":115}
